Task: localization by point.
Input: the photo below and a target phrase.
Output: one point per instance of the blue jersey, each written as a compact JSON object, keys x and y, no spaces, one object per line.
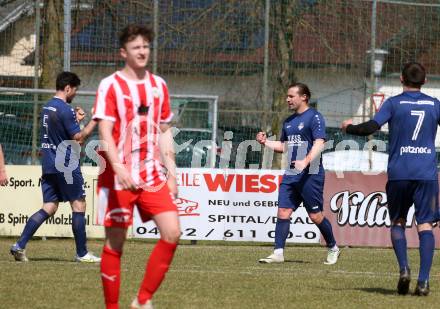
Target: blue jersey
{"x":58,"y":124}
{"x":412,"y":118}
{"x":299,"y":132}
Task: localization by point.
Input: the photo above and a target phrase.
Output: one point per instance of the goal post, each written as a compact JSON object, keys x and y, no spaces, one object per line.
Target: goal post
{"x":196,"y":117}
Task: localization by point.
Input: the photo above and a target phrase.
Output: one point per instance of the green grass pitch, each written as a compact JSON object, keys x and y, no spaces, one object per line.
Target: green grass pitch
{"x":214,"y":275}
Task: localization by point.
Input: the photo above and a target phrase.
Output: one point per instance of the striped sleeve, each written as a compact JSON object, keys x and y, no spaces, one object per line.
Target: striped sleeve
{"x":105,"y":103}
{"x":165,"y":114}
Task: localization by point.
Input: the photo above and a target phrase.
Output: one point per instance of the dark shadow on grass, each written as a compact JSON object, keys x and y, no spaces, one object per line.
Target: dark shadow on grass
{"x":51,"y":259}
{"x":297,"y":261}
{"x":378,"y":290}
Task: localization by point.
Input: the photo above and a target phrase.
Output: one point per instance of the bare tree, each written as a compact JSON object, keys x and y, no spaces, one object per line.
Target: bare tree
{"x":52,"y":54}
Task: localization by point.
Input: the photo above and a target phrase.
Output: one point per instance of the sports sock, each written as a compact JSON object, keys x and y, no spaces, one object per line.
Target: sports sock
{"x":79,"y":232}
{"x":426,"y":249}
{"x":111,"y":276}
{"x":326,"y":230}
{"x":156,"y":268}
{"x":32,"y":226}
{"x":398,"y":240}
{"x":282,"y":228}
{"x":279,"y":251}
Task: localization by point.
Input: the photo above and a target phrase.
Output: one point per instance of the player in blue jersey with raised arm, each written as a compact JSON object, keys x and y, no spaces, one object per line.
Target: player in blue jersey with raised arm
{"x":412,"y":118}
{"x":303,"y":137}
{"x":62,"y":180}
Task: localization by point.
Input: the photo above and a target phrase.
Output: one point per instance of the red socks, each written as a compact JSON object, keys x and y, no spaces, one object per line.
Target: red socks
{"x":111,"y":276}
{"x":157,"y":266}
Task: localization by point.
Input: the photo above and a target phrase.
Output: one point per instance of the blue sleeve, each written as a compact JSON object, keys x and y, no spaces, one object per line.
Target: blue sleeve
{"x":385,"y":112}
{"x":69,"y":121}
{"x":318,"y":127}
{"x":283,"y":137}
{"x":438,"y":111}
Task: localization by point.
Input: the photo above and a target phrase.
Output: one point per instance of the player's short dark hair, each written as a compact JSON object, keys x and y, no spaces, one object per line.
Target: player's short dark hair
{"x":413,"y":74}
{"x":303,"y":89}
{"x":130,"y":32}
{"x":67,"y":79}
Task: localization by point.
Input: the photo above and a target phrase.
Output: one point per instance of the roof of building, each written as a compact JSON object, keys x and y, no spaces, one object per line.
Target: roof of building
{"x":198,"y":36}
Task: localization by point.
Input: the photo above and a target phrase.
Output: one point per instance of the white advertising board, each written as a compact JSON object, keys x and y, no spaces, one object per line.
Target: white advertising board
{"x":238,"y":205}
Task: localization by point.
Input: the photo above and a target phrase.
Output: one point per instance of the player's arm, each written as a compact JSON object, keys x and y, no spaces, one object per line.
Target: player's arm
{"x":362,"y":129}
{"x":369,"y":127}
{"x":105,"y":128}
{"x":276,"y":146}
{"x":166,"y":142}
{"x":71,"y":119}
{"x":3,"y":176}
{"x":166,"y":147}
{"x":81,"y":136}
{"x":315,"y":152}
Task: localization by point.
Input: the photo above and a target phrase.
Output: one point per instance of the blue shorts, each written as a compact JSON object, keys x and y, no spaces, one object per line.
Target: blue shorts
{"x":308,"y":190}
{"x":56,"y":189}
{"x":401,"y":194}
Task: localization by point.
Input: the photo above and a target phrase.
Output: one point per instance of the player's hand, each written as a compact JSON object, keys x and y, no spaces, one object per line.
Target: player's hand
{"x":345,"y":124}
{"x":124,"y":178}
{"x":300,"y":165}
{"x":172,"y":186}
{"x":3,"y":178}
{"x":80,"y":113}
{"x":261,"y":137}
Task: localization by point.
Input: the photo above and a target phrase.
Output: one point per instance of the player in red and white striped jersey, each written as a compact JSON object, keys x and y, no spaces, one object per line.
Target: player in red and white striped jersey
{"x":133,"y":110}
{"x":136,"y":133}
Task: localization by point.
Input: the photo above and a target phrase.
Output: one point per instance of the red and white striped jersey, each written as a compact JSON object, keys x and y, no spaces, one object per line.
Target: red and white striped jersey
{"x":137,"y":108}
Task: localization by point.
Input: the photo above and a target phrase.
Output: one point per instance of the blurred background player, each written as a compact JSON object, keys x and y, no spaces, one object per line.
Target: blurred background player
{"x":59,"y":123}
{"x":133,"y":110}
{"x":412,"y":118}
{"x":3,"y":175}
{"x":302,"y":136}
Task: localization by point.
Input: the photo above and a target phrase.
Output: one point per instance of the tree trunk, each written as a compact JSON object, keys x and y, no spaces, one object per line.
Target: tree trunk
{"x":283,"y":27}
{"x":52,"y":53}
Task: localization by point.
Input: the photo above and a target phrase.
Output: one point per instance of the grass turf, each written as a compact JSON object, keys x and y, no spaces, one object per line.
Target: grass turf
{"x":214,"y":275}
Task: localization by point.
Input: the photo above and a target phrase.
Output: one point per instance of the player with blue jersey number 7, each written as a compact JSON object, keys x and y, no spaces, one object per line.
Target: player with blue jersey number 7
{"x":412,"y":118}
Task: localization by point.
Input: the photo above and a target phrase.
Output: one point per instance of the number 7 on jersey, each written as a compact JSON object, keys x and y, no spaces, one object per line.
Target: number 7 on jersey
{"x":421,"y":115}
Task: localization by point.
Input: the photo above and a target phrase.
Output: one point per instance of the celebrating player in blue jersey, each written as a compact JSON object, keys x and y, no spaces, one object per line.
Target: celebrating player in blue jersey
{"x":302,"y":136}
{"x":62,"y":180}
{"x":412,"y":118}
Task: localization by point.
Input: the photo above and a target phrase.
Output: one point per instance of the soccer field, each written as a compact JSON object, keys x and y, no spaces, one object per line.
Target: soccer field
{"x":214,"y":275}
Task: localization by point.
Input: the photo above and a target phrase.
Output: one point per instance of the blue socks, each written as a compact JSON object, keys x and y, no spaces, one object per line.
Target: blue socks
{"x":79,"y":232}
{"x":38,"y":218}
{"x":426,"y":249}
{"x":31,"y":227}
{"x":398,"y":240}
{"x":326,"y":230}
{"x":282,"y":229}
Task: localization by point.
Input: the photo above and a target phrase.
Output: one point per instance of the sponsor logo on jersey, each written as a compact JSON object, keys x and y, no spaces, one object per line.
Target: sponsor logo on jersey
{"x":414,"y":150}
{"x":48,"y":146}
{"x":294,"y":140}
